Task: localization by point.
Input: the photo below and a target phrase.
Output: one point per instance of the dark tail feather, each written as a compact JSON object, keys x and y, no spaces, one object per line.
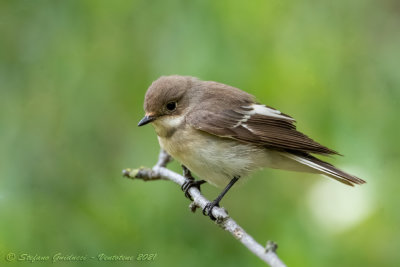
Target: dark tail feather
{"x":326,"y":168}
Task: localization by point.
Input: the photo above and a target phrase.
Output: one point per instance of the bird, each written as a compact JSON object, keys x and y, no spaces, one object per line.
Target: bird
{"x":222,"y":134}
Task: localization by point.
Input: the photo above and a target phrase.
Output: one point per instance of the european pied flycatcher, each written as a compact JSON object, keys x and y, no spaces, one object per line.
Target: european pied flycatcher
{"x":222,"y":134}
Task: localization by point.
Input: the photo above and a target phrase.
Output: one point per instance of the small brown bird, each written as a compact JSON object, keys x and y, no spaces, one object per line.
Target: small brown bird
{"x":222,"y":134}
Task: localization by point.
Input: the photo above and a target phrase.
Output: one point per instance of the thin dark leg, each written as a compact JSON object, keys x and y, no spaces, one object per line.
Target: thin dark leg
{"x":208,"y":208}
{"x":190,"y":182}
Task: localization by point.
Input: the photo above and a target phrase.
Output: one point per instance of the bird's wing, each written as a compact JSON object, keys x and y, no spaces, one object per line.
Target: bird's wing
{"x":256,"y":124}
{"x":324,"y":168}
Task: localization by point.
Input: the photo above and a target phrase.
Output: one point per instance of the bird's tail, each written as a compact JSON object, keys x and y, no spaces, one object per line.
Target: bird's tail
{"x":325,"y":168}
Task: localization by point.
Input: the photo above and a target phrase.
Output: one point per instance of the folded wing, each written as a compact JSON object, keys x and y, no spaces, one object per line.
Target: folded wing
{"x":259,"y":125}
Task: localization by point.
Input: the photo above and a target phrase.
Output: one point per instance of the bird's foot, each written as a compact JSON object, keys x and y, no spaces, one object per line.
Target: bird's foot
{"x":186,"y":173}
{"x":207,"y":211}
{"x":189,"y":184}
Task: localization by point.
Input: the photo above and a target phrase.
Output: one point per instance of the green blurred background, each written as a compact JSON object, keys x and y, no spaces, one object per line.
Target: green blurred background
{"x":73,"y":75}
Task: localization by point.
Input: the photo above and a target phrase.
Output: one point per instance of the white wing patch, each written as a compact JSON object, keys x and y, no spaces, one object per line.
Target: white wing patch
{"x":260,"y":110}
{"x":245,"y":118}
{"x":266,"y":111}
{"x":247,"y":127}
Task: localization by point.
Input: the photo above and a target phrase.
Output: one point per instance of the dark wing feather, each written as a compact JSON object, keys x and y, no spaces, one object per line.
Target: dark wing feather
{"x":275,"y":132}
{"x":326,"y":168}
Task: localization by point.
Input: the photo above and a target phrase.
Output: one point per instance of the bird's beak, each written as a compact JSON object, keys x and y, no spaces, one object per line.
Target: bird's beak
{"x":146,"y":120}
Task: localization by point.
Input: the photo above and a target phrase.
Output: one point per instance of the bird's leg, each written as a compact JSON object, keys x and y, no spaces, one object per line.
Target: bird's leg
{"x":208,"y":208}
{"x":190,"y":182}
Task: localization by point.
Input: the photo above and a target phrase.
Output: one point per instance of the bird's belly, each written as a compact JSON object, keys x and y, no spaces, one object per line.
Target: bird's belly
{"x":214,"y":159}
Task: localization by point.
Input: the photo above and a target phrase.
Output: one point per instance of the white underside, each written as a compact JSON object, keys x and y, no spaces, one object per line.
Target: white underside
{"x":217,"y":160}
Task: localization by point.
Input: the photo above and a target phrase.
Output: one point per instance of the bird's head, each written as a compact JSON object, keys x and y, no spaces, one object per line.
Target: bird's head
{"x":167,"y":100}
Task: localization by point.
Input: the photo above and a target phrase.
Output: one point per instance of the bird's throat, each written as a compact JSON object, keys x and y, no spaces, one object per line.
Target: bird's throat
{"x":166,"y":126}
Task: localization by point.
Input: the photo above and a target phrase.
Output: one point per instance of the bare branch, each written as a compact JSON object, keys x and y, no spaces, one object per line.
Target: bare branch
{"x":159,"y":171}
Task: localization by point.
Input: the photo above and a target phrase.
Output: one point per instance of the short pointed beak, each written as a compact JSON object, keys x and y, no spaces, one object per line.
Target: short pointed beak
{"x":146,"y":120}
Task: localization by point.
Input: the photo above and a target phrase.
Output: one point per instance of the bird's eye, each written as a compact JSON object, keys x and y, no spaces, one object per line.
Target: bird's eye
{"x":171,"y":106}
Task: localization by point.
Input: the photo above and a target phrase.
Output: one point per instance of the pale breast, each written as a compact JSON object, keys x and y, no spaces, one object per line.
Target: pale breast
{"x":214,"y":159}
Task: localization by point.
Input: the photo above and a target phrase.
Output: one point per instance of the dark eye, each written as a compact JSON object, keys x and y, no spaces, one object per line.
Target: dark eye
{"x":171,"y":106}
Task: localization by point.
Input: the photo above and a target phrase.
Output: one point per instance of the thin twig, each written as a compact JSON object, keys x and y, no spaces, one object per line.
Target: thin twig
{"x":159,"y":171}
